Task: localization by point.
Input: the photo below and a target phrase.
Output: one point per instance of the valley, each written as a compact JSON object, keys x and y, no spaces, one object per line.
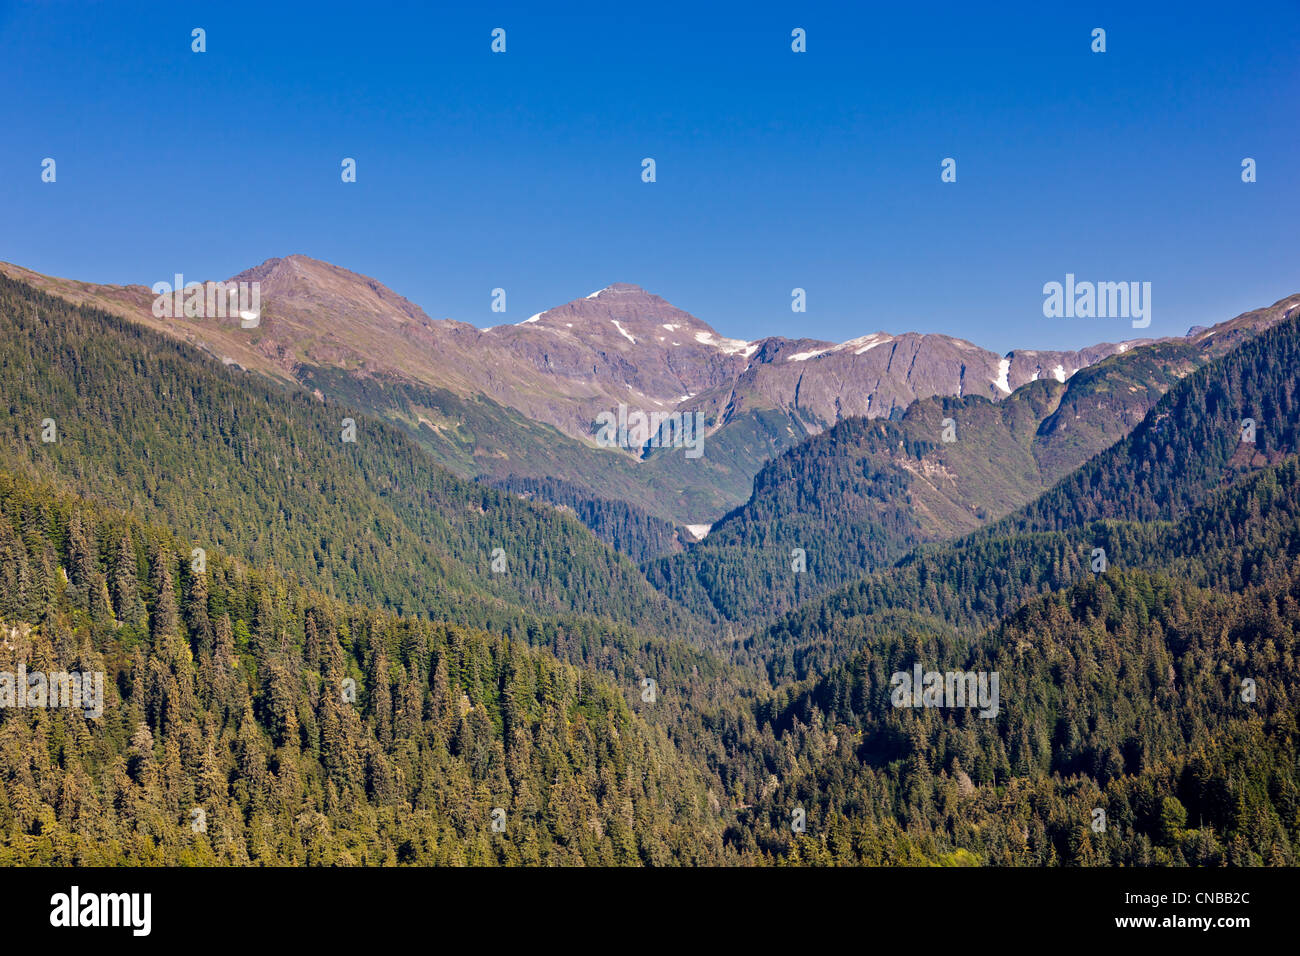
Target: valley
{"x":382,"y":657}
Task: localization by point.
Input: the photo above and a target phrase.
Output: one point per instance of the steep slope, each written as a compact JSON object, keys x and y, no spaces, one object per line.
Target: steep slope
{"x":523,"y":399}
{"x":639,"y":535}
{"x":222,"y":697}
{"x":1159,"y":689}
{"x":862,"y":494}
{"x":244,"y":720}
{"x":1177,"y":494}
{"x":820,"y":383}
{"x":1194,"y":441}
{"x":146,"y":423}
{"x":1121,"y":691}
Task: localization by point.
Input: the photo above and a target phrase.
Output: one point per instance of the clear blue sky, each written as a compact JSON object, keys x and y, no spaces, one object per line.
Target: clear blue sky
{"x":775,"y":169}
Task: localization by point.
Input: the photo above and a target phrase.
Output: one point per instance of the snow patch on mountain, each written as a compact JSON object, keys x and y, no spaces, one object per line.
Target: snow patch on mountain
{"x":805,"y":356}
{"x":1004,"y":367}
{"x":863,"y":343}
{"x":729,"y":346}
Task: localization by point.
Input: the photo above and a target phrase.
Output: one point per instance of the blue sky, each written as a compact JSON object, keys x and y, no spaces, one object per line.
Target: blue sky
{"x":775,"y":170}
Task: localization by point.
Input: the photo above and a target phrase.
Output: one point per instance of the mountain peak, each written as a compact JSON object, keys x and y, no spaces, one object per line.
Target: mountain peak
{"x":627,"y":314}
{"x":298,"y":283}
{"x":298,"y":264}
{"x":618,"y":288}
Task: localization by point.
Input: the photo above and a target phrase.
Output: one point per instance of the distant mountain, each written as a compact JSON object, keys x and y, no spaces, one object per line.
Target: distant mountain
{"x":272,"y":476}
{"x":863,"y":493}
{"x":1175,"y":494}
{"x":349,"y":681}
{"x":522,"y":400}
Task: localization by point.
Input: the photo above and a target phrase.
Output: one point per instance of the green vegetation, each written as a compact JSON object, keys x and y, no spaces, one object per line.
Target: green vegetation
{"x":225,"y":694}
{"x":231,"y":462}
{"x":348,"y":682}
{"x":639,"y":535}
{"x":864,"y":493}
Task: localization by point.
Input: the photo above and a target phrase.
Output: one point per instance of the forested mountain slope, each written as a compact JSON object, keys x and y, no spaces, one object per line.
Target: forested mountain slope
{"x":1125,"y":695}
{"x":636,"y":533}
{"x":1189,"y":447}
{"x":247,"y":720}
{"x":1157,"y":688}
{"x":865,"y":492}
{"x":1194,"y":441}
{"x":224,"y":694}
{"x":277,"y":690}
{"x":143,"y":422}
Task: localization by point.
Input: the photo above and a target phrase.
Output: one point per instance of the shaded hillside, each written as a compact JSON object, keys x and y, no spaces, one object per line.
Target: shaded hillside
{"x":639,"y":535}
{"x":862,"y":494}
{"x":1185,"y":463}
{"x":149,"y":424}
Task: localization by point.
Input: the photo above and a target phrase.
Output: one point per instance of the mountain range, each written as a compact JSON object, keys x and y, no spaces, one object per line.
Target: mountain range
{"x":371,"y":643}
{"x":521,"y":400}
